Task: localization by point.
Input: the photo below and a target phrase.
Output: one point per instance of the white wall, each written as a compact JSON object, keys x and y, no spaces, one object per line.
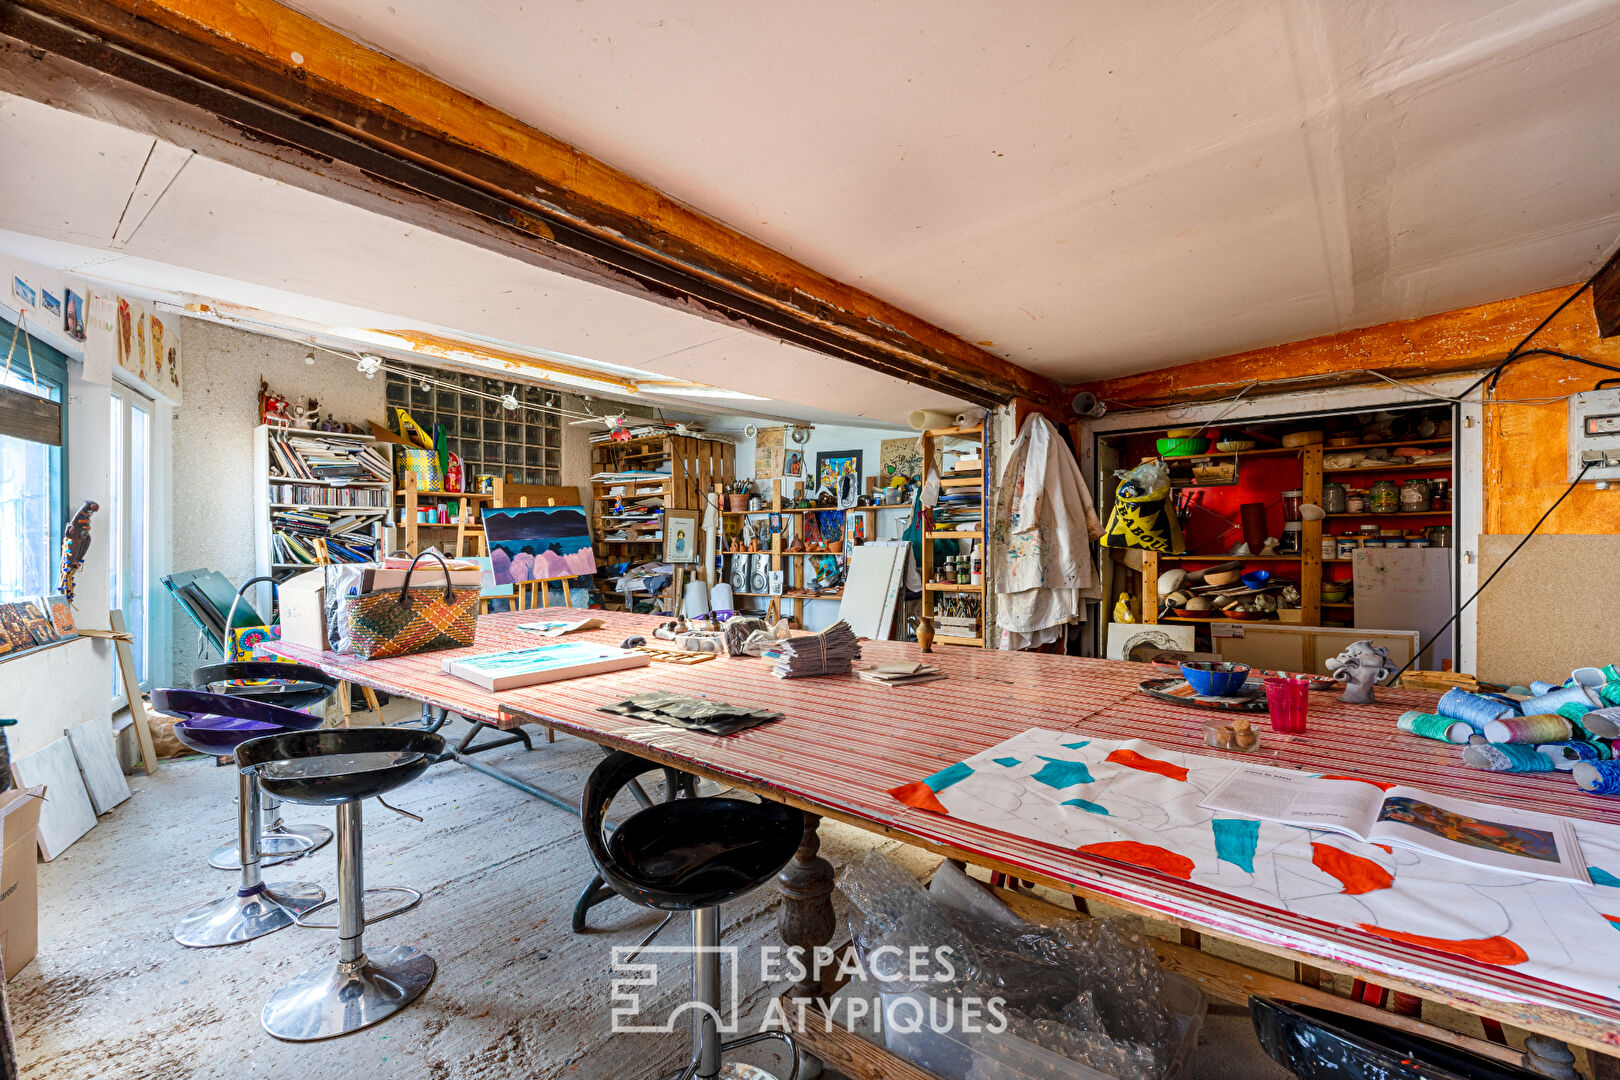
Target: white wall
{"x":823,"y":438}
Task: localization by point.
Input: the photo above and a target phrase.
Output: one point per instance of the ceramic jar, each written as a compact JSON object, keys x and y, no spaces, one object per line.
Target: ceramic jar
{"x":1385,"y":498}
{"x":1355,"y":501}
{"x":1334,"y":499}
{"x":1415,"y":496}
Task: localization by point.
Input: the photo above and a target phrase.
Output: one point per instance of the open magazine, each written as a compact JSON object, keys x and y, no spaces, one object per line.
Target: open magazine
{"x":1519,"y":841}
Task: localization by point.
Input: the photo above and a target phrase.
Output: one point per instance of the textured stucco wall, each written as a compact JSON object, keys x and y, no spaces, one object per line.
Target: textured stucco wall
{"x":213,"y":445}
{"x":576,"y":448}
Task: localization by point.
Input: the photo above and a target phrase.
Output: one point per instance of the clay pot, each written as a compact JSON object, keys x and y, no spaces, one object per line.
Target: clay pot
{"x":736,"y":503}
{"x":835,"y":548}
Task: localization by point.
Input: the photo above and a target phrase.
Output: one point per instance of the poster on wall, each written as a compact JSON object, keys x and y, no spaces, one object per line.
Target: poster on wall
{"x":831,"y":465}
{"x":768,"y":453}
{"x":147,"y":345}
{"x":73,"y":315}
{"x":899,"y":457}
{"x":532,"y":543}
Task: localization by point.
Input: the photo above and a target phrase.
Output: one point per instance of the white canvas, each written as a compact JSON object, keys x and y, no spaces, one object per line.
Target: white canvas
{"x":867,"y":603}
{"x":66,"y":814}
{"x":92,"y":743}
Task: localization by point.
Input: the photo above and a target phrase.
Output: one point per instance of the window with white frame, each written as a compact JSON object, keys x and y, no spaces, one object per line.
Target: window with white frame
{"x":32,"y":485}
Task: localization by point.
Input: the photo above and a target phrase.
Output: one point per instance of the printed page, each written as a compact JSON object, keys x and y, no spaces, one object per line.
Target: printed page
{"x":1497,"y":837}
{"x":1346,"y":806}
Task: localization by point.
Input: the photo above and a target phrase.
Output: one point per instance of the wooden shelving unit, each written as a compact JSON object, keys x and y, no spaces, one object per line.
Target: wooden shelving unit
{"x":935,"y":443}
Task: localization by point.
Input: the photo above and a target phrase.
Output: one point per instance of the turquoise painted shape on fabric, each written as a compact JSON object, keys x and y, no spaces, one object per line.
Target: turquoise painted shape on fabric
{"x":1058,"y":773}
{"x":1601,"y":876}
{"x":1075,"y":745}
{"x":1235,"y":841}
{"x":1007,"y":762}
{"x":946,"y":777}
{"x":1088,"y":806}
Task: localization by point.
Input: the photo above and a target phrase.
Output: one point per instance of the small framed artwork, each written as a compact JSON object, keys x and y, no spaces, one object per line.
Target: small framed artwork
{"x":776,"y":524}
{"x":793,"y":463}
{"x":61,"y":616}
{"x":680,"y":537}
{"x":833,"y":464}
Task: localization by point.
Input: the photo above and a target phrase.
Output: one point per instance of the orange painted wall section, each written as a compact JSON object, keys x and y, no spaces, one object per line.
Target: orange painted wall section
{"x":1525,"y":445}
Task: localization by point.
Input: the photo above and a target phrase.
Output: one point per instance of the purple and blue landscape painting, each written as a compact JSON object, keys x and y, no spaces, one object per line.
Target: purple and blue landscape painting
{"x":529,"y":543}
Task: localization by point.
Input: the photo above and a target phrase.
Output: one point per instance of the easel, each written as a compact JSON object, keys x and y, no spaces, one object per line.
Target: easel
{"x":526,"y":593}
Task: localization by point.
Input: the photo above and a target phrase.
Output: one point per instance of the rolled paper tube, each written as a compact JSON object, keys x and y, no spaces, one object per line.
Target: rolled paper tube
{"x":1529,"y":729}
{"x":1551,"y":701}
{"x":1475,"y":710}
{"x":1508,"y":757}
{"x":1589,"y":677}
{"x":696,"y":600}
{"x":1598,"y":777}
{"x":1603,"y":723}
{"x":722,"y":598}
{"x":1430,"y":726}
{"x":1541,"y":686}
{"x":921,"y":419}
{"x":1565,"y":755}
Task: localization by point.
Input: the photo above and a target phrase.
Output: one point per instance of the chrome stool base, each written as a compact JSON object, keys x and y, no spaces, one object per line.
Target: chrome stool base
{"x":338,"y":997}
{"x":237,"y":918}
{"x":731,"y":1070}
{"x":281,"y":844}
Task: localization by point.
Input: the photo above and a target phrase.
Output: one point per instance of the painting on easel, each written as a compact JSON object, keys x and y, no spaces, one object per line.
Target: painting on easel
{"x":530,"y":543}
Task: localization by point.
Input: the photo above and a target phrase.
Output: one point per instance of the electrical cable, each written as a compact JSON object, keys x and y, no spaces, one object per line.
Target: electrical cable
{"x":1461,"y":607}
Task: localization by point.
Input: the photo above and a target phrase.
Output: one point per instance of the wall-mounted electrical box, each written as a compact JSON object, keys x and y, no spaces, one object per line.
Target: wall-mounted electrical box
{"x":1594,"y":434}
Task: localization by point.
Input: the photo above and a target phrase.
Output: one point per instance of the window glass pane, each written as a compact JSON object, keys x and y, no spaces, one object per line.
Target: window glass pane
{"x":30,"y":502}
{"x":115,"y":516}
{"x":136,"y":568}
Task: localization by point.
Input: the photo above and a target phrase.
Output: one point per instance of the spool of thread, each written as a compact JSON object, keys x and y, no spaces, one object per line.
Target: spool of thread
{"x":1566,"y":755}
{"x":1598,"y":777}
{"x":695,"y":600}
{"x":1542,"y":686}
{"x":1430,"y":726}
{"x":1602,"y":723}
{"x":1508,"y":757}
{"x":1550,"y":701}
{"x":722,"y":597}
{"x":1475,"y":710}
{"x":1542,"y":728}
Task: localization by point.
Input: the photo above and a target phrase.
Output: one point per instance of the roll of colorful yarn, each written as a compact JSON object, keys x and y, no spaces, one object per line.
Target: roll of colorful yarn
{"x":1566,"y":755}
{"x":1529,"y":729}
{"x":1603,"y":723}
{"x":1507,"y":757}
{"x":1430,"y":726}
{"x":1610,"y":693}
{"x":1475,"y":710}
{"x":1541,"y":686}
{"x":1598,"y":777}
{"x":1552,"y":701}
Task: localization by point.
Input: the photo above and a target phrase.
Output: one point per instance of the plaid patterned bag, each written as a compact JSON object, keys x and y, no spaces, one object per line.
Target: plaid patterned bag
{"x":402,"y":621}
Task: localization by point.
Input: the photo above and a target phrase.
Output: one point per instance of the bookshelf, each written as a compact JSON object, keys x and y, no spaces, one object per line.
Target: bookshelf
{"x":953,"y":612}
{"x":319,"y":496}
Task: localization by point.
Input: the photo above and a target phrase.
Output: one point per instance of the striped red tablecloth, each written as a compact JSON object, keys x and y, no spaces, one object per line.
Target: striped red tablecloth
{"x":845,"y":742}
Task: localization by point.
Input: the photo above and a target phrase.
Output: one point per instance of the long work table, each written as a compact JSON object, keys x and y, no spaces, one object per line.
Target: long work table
{"x":844,"y":743}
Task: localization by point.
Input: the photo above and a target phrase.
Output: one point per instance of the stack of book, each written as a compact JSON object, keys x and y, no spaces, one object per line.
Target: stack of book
{"x":348,"y":537}
{"x":827,"y":653}
{"x":313,"y":457}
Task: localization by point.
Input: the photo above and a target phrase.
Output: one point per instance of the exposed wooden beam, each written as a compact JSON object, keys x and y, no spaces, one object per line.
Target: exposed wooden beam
{"x":1451,"y":341}
{"x":285,"y":78}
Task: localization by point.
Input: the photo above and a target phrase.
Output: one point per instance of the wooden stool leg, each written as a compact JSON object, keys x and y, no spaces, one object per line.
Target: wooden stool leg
{"x":343,"y":701}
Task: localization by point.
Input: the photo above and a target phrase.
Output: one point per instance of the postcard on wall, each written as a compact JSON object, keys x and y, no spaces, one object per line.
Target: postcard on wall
{"x":73,"y":315}
{"x":22,"y":291}
{"x":50,"y":301}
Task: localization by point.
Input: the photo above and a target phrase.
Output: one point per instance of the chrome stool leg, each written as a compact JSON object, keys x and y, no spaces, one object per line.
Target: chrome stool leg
{"x":278,"y":841}
{"x":256,"y":909}
{"x":359,"y":988}
{"x":707,"y":1049}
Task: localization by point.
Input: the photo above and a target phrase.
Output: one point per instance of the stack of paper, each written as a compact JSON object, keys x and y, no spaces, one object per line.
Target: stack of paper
{"x":827,"y":653}
{"x":900,"y":673}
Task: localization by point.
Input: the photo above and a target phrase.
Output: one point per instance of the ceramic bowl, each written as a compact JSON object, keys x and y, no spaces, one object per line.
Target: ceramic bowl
{"x":1224,"y":577}
{"x":1334,"y":596}
{"x":1209,"y":679}
{"x":1181,"y":447}
{"x":1256,"y":579}
{"x":1182,"y":432}
{"x":1232,"y":446}
{"x":1191,"y":613}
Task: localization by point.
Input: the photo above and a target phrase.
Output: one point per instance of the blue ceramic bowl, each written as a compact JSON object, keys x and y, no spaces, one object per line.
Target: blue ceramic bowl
{"x":1214,"y":680}
{"x":1254,"y":579}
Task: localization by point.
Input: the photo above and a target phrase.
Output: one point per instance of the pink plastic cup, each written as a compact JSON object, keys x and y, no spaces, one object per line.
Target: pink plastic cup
{"x":1287,"y":700}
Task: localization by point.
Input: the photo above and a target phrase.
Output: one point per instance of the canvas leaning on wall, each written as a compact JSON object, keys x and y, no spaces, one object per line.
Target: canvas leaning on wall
{"x":538,"y":542}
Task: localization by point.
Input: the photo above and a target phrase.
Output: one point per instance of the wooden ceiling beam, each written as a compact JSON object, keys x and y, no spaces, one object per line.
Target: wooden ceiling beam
{"x":289,"y":80}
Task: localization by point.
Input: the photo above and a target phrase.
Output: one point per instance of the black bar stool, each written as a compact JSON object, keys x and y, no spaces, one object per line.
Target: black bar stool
{"x":216,"y":724}
{"x":340,"y":767}
{"x":291,"y":686}
{"x":692,"y":855}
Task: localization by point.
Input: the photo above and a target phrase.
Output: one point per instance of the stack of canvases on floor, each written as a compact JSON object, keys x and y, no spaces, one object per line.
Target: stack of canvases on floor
{"x":1044,"y":523}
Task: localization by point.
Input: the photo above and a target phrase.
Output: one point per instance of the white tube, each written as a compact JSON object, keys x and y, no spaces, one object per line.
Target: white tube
{"x":925,"y":419}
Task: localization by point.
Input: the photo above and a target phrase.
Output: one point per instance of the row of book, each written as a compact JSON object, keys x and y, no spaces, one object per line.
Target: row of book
{"x":348,"y":537}
{"x":310,"y":457}
{"x":329,"y":496}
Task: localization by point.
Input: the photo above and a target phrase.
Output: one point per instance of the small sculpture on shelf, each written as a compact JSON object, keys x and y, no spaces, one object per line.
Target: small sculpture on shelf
{"x":1360,"y":667}
{"x":273,"y":408}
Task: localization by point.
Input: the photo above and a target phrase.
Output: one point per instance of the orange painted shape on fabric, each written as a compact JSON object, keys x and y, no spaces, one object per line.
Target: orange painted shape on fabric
{"x":1132,"y":760}
{"x":1491,"y":950}
{"x":1357,"y":874}
{"x":1379,"y":784}
{"x":1144,"y":855}
{"x":920,"y":795}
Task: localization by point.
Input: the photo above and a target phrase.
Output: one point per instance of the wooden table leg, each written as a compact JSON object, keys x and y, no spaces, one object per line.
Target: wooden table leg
{"x":806,"y":919}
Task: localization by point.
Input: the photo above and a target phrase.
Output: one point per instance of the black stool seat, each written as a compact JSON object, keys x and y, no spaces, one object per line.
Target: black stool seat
{"x":338,"y":765}
{"x":685,"y":853}
{"x":292,"y":686}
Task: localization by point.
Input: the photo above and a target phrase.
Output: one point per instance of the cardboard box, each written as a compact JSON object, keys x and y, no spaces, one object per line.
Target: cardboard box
{"x":19,"y":877}
{"x":303,"y":611}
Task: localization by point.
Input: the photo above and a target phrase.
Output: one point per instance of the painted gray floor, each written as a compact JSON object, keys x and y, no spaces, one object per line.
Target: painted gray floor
{"x":517,"y":995}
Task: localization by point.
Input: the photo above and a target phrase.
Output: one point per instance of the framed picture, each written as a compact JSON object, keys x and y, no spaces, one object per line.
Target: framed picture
{"x":531,"y":543}
{"x":832,"y":464}
{"x":793,"y":463}
{"x":680,"y":537}
{"x":61,"y":616}
{"x":73,"y":315}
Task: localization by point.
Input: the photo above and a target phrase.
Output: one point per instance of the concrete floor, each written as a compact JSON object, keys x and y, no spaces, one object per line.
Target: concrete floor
{"x":517,"y":994}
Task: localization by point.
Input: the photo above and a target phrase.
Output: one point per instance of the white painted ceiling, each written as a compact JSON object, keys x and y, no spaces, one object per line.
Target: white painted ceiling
{"x":72,"y":196}
{"x":1091,"y":187}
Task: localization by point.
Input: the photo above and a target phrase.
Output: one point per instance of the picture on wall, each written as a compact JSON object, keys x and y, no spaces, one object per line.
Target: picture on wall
{"x":681,"y":537}
{"x":534,"y":542}
{"x":22,"y":291}
{"x":50,"y":301}
{"x":73,"y":315}
{"x":793,"y":463}
{"x":831,"y":464}
{"x":899,"y":457}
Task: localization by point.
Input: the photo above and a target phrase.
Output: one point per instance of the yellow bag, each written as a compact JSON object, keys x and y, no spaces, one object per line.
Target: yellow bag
{"x":424,"y":465}
{"x":1144,"y":521}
